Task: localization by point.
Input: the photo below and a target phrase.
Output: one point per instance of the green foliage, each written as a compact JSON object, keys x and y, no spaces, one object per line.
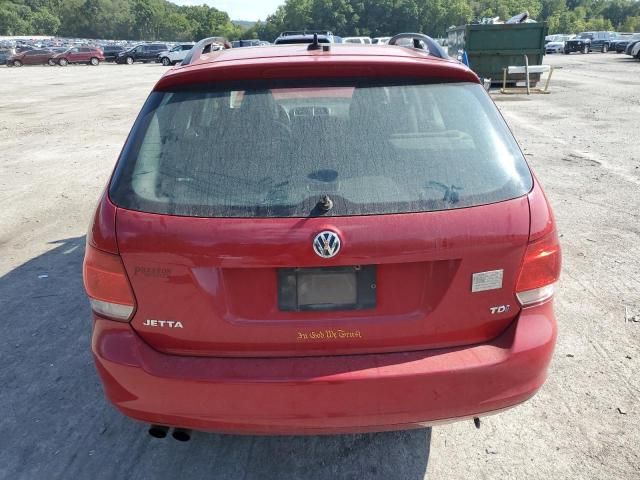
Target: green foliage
{"x":14,"y":18}
{"x":160,"y":19}
{"x":387,"y":17}
{"x":631,"y":24}
{"x":115,"y":19}
{"x":43,"y":21}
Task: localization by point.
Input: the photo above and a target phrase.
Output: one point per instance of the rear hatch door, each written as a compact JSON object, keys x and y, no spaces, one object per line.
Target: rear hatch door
{"x":219,"y":278}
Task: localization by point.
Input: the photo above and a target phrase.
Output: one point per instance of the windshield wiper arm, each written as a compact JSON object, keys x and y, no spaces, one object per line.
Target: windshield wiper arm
{"x":325,"y":204}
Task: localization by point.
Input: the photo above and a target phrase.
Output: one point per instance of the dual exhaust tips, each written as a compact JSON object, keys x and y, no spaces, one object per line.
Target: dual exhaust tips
{"x":161,"y":431}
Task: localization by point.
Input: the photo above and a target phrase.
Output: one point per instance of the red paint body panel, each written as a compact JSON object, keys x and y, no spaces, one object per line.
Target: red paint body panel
{"x":219,"y":279}
{"x":102,"y":232}
{"x":324,"y":394}
{"x":430,"y":351}
{"x":295,"y":61}
{"x":542,"y":219}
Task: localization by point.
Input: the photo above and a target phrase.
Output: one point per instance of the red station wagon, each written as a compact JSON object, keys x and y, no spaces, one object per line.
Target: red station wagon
{"x":89,"y":55}
{"x":304,"y":239}
{"x":29,"y":57}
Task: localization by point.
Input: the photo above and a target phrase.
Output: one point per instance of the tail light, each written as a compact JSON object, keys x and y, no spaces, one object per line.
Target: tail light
{"x":107,"y":285}
{"x":540,"y":270}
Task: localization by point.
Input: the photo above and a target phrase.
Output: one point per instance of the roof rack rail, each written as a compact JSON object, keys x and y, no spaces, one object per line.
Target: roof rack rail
{"x":305,"y":32}
{"x":201,"y":48}
{"x":421,"y":42}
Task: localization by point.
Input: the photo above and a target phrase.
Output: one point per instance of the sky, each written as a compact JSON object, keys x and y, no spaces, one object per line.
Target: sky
{"x":239,"y":9}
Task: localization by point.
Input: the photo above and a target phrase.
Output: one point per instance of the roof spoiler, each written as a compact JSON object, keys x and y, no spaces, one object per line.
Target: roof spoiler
{"x":203,"y":47}
{"x":421,"y":42}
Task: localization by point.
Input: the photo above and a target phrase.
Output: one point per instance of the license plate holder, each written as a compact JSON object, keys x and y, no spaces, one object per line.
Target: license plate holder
{"x":327,"y":289}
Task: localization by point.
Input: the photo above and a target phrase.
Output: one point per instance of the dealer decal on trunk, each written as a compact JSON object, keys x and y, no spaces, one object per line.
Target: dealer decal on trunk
{"x":483,"y":281}
{"x":329,"y":334}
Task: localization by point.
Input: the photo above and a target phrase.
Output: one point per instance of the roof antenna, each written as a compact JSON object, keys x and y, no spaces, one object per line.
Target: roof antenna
{"x":315,"y":45}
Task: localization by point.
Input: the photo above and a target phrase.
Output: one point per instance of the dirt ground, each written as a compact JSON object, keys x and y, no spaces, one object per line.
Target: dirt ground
{"x":60,"y":133}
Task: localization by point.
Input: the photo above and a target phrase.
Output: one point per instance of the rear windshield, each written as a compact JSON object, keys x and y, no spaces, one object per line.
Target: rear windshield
{"x":338,"y":150}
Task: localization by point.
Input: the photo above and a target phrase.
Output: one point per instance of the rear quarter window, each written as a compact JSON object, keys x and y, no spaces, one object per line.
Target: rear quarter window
{"x":276,"y":152}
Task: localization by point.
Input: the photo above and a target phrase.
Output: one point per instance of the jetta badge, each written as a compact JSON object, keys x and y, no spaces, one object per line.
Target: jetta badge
{"x":326,"y":244}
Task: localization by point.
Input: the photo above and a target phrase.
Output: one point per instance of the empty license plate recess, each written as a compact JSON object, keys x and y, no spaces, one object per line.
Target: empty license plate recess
{"x":331,"y":288}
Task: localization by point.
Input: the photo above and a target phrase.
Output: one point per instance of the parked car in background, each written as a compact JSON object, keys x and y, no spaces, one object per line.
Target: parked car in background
{"x":601,"y":41}
{"x":141,"y":53}
{"x":89,"y":55}
{"x":175,"y":55}
{"x":620,"y":44}
{"x":212,"y":47}
{"x":111,"y":52}
{"x":635,"y":50}
{"x":381,"y":40}
{"x":558,"y":37}
{"x":555,"y":43}
{"x":554,"y":47}
{"x":586,"y":42}
{"x":359,"y":40}
{"x":630,"y":46}
{"x":245,"y":43}
{"x":30,"y":57}
{"x":581,"y":43}
{"x":222,"y":42}
{"x":305,"y":36}
{"x":5,"y":53}
{"x":351,"y":242}
{"x":620,"y":37}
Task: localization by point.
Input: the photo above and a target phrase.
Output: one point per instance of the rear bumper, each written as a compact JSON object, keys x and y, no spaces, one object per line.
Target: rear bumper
{"x":311,"y":395}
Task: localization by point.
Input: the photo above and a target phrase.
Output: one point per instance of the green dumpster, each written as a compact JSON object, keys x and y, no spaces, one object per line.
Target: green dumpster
{"x":490,"y":48}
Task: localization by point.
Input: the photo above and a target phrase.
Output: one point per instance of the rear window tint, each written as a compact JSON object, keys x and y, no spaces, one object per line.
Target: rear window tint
{"x":276,"y":152}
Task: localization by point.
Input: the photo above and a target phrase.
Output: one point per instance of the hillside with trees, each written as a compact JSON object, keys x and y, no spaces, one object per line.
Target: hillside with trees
{"x":387,"y":17}
{"x":160,"y":19}
{"x":114,"y":19}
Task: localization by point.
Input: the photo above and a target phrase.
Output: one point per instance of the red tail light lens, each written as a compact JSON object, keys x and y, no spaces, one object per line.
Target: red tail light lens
{"x":107,"y":285}
{"x":540,"y":270}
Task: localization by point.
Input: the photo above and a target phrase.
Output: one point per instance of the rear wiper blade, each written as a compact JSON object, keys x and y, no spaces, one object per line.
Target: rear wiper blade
{"x":325,"y":204}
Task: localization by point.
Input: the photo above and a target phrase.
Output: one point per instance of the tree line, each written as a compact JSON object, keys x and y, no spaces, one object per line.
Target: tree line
{"x":434,"y":17}
{"x":160,"y":19}
{"x":114,"y":19}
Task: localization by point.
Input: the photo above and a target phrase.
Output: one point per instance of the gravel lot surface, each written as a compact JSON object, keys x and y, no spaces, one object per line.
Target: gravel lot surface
{"x":60,"y":133}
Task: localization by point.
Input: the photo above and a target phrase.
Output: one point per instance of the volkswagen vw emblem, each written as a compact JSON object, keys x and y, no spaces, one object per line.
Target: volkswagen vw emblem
{"x":326,"y":244}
